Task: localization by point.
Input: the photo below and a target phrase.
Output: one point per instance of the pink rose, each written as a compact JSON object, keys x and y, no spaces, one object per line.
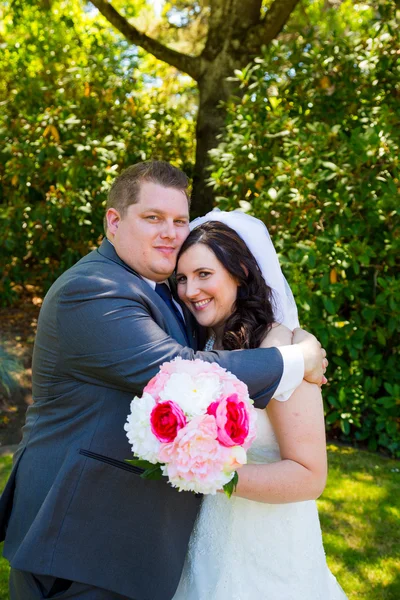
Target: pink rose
{"x":232,"y":418}
{"x":166,"y":419}
{"x":195,"y":454}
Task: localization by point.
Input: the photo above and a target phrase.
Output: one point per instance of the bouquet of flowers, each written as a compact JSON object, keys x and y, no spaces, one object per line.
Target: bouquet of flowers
{"x":193,"y":424}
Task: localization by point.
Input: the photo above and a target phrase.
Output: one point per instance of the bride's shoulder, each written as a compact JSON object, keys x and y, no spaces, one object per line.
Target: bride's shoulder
{"x":278,"y":335}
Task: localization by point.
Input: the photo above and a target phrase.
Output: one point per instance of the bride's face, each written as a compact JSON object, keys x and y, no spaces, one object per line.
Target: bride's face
{"x":205,"y":286}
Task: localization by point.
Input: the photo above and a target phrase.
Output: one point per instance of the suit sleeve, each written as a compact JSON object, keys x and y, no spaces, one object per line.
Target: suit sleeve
{"x":116,"y":342}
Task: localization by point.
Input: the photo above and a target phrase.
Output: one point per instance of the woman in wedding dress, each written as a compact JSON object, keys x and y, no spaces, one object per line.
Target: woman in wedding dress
{"x":264,"y":543}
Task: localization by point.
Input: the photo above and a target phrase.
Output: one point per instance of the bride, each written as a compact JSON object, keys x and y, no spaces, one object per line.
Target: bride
{"x":265,"y":542}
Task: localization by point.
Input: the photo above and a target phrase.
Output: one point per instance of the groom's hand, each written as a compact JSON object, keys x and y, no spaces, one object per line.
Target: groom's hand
{"x":315,"y":362}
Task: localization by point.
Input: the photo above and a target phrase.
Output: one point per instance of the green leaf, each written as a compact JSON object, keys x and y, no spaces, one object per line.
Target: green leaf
{"x":345,"y":427}
{"x":332,"y":401}
{"x":274,"y":101}
{"x":332,"y":417}
{"x":391,"y":427}
{"x":381,"y":336}
{"x":329,"y":305}
{"x":388,"y":387}
{"x":142,"y":464}
{"x":153,"y":473}
{"x":230,"y":487}
{"x":329,"y":165}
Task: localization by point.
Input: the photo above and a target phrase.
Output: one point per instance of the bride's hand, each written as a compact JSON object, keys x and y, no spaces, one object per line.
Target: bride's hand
{"x":278,"y":335}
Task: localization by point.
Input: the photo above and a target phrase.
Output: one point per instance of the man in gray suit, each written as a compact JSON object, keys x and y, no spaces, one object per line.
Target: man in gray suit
{"x":78,"y":521}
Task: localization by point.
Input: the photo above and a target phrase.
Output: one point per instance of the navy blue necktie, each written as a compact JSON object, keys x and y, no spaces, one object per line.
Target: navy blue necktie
{"x":163,"y":290}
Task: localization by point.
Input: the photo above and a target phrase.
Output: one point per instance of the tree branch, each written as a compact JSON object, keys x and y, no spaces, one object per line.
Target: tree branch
{"x":247,"y":13}
{"x":272,"y":24}
{"x":192,"y":65}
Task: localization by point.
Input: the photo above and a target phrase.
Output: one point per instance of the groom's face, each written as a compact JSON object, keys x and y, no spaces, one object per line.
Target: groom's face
{"x":149,"y":236}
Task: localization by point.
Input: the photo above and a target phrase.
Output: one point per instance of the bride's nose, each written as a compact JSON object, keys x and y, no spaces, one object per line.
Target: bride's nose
{"x":192,"y":289}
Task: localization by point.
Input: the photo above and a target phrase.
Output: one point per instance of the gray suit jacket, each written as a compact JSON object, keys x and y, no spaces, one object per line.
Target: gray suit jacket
{"x":72,"y":507}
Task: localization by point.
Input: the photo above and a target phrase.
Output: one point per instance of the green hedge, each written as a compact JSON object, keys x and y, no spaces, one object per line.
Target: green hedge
{"x":312,"y":149}
{"x":75,"y":111}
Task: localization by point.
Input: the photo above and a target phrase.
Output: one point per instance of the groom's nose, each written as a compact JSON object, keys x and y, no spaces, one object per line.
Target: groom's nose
{"x":168,"y":230}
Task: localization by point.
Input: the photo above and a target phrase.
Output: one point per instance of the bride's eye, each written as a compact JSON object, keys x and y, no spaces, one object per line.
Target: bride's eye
{"x":181,"y":279}
{"x":204,"y":274}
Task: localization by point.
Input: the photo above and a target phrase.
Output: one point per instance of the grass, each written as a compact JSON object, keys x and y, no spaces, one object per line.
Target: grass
{"x":360,"y":516}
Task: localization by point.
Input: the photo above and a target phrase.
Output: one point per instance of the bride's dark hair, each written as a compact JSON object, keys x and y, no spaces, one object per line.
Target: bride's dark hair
{"x":253,"y":313}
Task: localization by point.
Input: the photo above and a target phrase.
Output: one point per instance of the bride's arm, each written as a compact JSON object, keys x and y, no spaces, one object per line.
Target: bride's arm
{"x":300,"y":430}
{"x":278,"y":335}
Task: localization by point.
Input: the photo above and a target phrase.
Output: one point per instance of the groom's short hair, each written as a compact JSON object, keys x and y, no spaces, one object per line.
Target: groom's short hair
{"x":126,"y":187}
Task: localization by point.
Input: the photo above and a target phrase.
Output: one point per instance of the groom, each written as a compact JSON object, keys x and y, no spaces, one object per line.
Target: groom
{"x":78,"y":521}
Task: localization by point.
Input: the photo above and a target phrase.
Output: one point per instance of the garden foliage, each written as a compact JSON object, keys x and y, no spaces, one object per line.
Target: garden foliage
{"x":312,"y":149}
{"x":75,"y":110}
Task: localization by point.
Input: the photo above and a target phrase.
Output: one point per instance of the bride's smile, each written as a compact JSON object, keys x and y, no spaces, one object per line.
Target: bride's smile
{"x":201,"y":304}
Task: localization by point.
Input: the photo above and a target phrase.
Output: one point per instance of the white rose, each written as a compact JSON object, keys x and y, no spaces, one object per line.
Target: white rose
{"x":144,"y":443}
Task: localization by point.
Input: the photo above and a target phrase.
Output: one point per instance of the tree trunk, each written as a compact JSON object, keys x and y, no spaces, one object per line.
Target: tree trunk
{"x":209,"y":124}
{"x":214,"y":89}
{"x":237,"y":31}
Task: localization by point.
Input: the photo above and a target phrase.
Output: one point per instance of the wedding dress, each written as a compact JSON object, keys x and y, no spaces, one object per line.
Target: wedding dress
{"x":246,"y":550}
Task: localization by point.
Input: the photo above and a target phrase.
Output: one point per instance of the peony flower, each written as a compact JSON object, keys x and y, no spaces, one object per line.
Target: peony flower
{"x":195,"y":460}
{"x":155,"y":385}
{"x":197,"y":419}
{"x":166,"y":419}
{"x":232,"y":419}
{"x":138,"y":430}
{"x":192,"y":393}
{"x":232,"y":385}
{"x":193,"y":368}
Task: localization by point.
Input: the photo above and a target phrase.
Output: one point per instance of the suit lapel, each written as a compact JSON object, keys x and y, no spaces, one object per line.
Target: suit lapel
{"x":107,"y":250}
{"x":190,"y":321}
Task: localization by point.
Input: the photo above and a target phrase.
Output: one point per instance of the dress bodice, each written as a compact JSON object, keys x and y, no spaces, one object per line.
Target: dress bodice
{"x":265,"y":447}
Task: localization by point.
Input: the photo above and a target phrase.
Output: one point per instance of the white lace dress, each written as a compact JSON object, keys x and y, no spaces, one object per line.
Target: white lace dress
{"x":245,"y":550}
